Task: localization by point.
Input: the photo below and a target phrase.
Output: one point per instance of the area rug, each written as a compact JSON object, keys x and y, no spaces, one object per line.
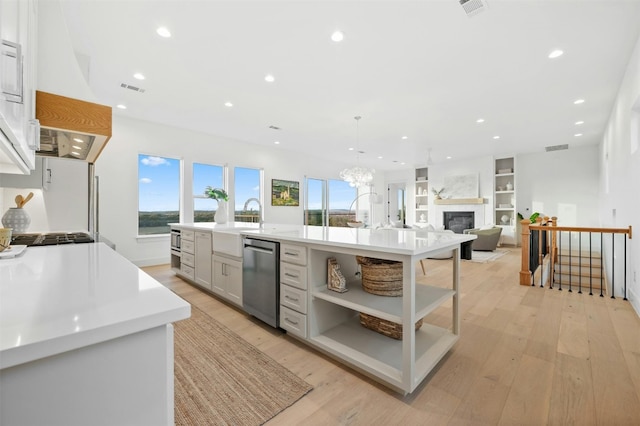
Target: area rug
{"x":487,"y":256}
{"x":223,"y":380}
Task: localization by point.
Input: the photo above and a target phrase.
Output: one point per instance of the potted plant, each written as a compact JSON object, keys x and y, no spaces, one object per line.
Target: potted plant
{"x":221,"y":196}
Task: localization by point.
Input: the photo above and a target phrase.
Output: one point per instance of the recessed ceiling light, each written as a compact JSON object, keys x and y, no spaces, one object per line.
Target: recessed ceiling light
{"x":496,"y":137}
{"x":337,"y":36}
{"x":480,"y":120}
{"x":405,"y":137}
{"x":578,"y":101}
{"x":579,"y":123}
{"x":269,"y":78}
{"x":163,"y":32}
{"x":449,"y":157}
{"x":277,"y":142}
{"x":78,"y":140}
{"x":75,"y":153}
{"x":228,"y":104}
{"x":121,"y":106}
{"x":76,"y":147}
{"x":578,"y":134}
{"x":138,"y":76}
{"x":350,"y":149}
{"x":379,"y":157}
{"x":556,"y":54}
{"x":403,"y":163}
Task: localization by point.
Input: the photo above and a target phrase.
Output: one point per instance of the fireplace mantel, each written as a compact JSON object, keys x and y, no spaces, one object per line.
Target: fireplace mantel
{"x":458,"y":201}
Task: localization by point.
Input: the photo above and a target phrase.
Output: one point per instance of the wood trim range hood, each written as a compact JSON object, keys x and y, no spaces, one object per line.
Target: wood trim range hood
{"x":71,"y":128}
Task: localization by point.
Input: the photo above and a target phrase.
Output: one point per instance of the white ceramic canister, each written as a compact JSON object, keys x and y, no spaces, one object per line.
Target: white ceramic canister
{"x":16,"y":218}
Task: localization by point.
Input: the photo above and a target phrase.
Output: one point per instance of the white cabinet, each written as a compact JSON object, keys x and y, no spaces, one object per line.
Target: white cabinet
{"x":19,"y":134}
{"x":187,"y":257}
{"x":227,"y":278}
{"x":293,"y":289}
{"x":203,"y":252}
{"x":505,"y":213}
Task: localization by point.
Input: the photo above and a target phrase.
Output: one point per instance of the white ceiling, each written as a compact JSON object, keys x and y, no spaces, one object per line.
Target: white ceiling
{"x":421,"y":69}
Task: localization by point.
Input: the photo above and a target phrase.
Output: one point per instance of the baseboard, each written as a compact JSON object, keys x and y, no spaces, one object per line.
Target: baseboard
{"x":634,"y":300}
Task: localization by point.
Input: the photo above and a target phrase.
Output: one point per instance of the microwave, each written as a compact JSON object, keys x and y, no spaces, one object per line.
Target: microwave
{"x":175,"y":239}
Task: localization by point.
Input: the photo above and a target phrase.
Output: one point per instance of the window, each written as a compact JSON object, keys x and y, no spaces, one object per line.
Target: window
{"x":158,"y":194}
{"x":328,"y":202}
{"x":204,"y":175}
{"x":316,"y":203}
{"x":247,"y":194}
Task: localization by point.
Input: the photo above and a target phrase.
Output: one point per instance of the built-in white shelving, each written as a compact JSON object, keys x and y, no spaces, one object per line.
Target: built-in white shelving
{"x":422,"y":195}
{"x":335,"y":328}
{"x":505,"y":213}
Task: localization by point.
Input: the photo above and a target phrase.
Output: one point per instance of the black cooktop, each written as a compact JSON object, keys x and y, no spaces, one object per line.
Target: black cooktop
{"x":51,"y":239}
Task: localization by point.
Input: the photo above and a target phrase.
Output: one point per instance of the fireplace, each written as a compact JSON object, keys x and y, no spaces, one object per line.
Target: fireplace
{"x":458,"y":221}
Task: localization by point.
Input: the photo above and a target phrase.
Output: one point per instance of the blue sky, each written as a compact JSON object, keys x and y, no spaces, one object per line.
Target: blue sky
{"x":159,"y":186}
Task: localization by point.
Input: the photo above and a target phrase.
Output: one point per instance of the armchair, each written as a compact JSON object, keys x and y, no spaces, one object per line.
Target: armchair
{"x":487,"y":238}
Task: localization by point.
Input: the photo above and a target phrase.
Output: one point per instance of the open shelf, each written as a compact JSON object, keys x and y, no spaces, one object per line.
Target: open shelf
{"x":381,"y":355}
{"x":389,"y":308}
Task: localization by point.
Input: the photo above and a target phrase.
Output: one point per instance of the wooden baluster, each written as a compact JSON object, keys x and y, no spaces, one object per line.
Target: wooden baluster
{"x":553,"y":252}
{"x":540,"y":255}
{"x":525,"y":273}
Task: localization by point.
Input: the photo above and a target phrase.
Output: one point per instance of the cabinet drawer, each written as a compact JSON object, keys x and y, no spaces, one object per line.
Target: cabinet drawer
{"x":186,"y":270}
{"x":187,"y":235}
{"x":294,"y":322}
{"x":188,"y":259}
{"x":293,"y":275}
{"x":188,"y":246}
{"x":293,"y":298}
{"x":293,"y":254}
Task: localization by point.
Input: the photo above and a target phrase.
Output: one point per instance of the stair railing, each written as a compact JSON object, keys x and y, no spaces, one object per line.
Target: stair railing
{"x":553,"y":246}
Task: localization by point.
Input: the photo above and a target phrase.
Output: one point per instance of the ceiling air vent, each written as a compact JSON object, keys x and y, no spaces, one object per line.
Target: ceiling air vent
{"x":556,"y":147}
{"x":130,"y":87}
{"x":473,"y":7}
{"x":272,"y":127}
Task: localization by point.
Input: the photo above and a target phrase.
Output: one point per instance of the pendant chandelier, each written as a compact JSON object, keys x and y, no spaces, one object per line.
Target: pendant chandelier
{"x":357,"y":176}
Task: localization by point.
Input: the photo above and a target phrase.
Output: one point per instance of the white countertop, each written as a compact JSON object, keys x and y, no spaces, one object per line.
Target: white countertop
{"x":58,"y":298}
{"x":406,"y":241}
{"x":217,"y":227}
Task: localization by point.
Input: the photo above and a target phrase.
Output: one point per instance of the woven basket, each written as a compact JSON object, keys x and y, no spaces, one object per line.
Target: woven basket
{"x":387,"y":328}
{"x":380,"y":276}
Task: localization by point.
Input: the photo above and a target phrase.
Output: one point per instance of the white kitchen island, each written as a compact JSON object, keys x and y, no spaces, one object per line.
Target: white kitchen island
{"x":85,"y":338}
{"x":329,"y":321}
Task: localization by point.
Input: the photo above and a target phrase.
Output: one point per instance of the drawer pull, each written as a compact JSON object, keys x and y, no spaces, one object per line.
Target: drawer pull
{"x":291,"y":275}
{"x":291,"y":298}
{"x":289,"y":253}
{"x":291,"y":322}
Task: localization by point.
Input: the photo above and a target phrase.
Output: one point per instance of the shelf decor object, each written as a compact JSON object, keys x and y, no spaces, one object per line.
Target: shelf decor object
{"x":381,"y":277}
{"x":335,"y":279}
{"x":357,"y":176}
{"x":387,"y":328}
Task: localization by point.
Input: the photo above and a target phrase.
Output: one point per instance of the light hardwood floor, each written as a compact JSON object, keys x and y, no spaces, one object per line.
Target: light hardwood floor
{"x":526,"y":356}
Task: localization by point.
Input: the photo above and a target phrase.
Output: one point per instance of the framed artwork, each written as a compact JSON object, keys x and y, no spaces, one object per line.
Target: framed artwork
{"x":285,"y":192}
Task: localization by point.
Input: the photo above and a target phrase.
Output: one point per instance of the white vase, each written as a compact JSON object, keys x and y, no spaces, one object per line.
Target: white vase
{"x":221,"y":212}
{"x":16,"y":218}
{"x":509,"y":186}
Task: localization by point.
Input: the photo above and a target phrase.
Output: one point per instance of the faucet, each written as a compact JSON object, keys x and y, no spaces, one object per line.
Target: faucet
{"x":246,"y":203}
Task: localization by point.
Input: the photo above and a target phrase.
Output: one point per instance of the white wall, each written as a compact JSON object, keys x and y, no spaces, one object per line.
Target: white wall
{"x":619,"y":182}
{"x":560,"y":183}
{"x":117,"y":168}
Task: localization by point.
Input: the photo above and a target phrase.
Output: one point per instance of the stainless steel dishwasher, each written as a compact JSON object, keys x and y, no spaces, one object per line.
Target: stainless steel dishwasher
{"x":261,"y":280}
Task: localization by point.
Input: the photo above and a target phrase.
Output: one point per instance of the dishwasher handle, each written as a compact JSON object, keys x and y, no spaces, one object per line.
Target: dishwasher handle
{"x":258,"y":249}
